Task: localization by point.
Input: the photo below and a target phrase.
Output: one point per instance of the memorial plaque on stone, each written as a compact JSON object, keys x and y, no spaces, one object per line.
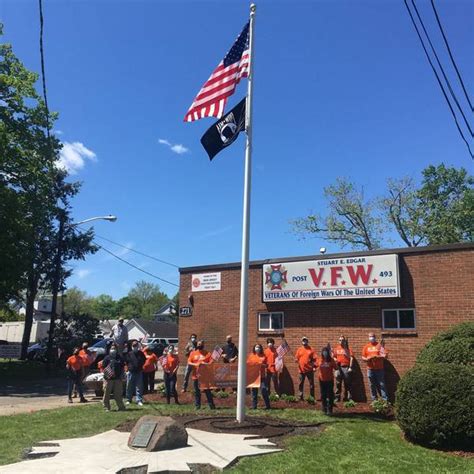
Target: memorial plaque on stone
{"x":144,"y":434}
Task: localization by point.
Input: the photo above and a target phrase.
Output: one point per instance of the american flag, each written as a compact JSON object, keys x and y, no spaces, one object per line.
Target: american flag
{"x":283,"y":349}
{"x":212,"y":98}
{"x":163,"y":360}
{"x":216,"y":353}
{"x":279,"y":364}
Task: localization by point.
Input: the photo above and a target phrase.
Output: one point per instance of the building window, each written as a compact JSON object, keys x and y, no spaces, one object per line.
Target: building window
{"x":270,"y":321}
{"x":398,"y":319}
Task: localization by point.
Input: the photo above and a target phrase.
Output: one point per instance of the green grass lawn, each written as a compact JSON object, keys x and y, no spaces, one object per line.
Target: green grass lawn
{"x":346,"y":445}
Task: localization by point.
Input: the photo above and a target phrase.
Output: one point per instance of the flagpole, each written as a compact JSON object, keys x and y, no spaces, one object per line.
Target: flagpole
{"x":244,"y":269}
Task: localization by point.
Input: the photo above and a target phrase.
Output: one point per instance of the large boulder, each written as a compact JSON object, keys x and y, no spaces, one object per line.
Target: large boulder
{"x":167,"y":434}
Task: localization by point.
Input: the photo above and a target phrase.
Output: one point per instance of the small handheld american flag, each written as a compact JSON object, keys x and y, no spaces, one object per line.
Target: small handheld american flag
{"x":382,"y":350}
{"x":283,"y":349}
{"x":212,"y":98}
{"x":279,"y":364}
{"x":216,"y":353}
{"x":163,"y":360}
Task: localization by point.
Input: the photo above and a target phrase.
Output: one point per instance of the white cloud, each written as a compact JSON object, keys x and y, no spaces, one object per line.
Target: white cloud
{"x":83,"y":273}
{"x":73,"y":157}
{"x":175,"y":148}
{"x":58,"y":132}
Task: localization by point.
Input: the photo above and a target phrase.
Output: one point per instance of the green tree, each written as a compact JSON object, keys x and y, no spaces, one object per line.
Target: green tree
{"x":352,"y":219}
{"x":36,"y":189}
{"x":103,"y":307}
{"x":143,"y":300}
{"x":76,"y":301}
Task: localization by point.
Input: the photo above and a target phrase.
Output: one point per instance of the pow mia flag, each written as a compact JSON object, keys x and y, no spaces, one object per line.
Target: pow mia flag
{"x":225,"y":131}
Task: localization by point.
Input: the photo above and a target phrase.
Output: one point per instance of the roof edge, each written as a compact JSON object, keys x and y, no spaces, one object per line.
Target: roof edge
{"x":398,"y":251}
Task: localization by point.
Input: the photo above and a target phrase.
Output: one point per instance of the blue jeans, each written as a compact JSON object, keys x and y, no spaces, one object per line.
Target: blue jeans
{"x":377,"y":383}
{"x":264,"y":392}
{"x":187,"y":374}
{"x":74,"y":378}
{"x":135,"y":386}
{"x":197,"y":395}
{"x":170,"y":386}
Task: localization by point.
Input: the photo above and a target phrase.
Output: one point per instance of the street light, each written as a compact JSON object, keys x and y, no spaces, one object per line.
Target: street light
{"x":57,"y":272}
{"x":104,"y":218}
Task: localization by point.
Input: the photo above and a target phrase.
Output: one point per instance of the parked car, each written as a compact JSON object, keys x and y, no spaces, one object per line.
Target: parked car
{"x":100,"y":349}
{"x":37,"y":351}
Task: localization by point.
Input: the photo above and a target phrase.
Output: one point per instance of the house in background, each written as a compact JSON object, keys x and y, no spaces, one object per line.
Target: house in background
{"x":166,"y":313}
{"x":105,"y":326}
{"x":141,"y":329}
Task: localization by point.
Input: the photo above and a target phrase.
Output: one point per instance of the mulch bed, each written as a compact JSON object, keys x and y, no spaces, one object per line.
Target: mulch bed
{"x":361,"y":408}
{"x":255,"y":427}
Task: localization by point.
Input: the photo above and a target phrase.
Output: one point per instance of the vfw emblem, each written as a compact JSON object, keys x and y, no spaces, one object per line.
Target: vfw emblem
{"x":276,"y":277}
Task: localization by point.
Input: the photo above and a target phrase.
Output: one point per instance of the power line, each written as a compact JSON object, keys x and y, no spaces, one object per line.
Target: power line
{"x":438,"y":79}
{"x":134,"y":266}
{"x":133,"y":250}
{"x":451,"y":55}
{"x":43,"y":75}
{"x":453,"y":95}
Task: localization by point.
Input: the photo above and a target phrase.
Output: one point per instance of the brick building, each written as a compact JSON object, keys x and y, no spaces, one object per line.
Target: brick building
{"x":404,"y":295}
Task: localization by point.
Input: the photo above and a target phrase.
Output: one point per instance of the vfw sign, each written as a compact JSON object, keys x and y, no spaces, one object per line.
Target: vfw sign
{"x":331,"y":279}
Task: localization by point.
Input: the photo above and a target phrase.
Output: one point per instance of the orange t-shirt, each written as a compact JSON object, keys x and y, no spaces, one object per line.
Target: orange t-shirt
{"x":198,"y":357}
{"x":255,"y":359}
{"x":150,"y":362}
{"x":271,"y":355}
{"x":87,"y":357}
{"x":343,"y":356}
{"x":372,"y":352}
{"x":75,"y":362}
{"x":326,"y":369}
{"x":305,"y":357}
{"x":172,"y":362}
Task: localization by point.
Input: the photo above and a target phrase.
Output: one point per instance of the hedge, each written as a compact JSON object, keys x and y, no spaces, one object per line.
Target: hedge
{"x":435,"y":405}
{"x":455,"y":345}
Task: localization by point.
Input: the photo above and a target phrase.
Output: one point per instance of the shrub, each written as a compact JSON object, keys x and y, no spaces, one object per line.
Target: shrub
{"x":381,"y":406}
{"x":288,"y":398}
{"x":434,"y":405}
{"x":274,"y":397}
{"x":311,"y":400}
{"x":222,"y":394}
{"x":456,"y":346}
{"x":350,"y":404}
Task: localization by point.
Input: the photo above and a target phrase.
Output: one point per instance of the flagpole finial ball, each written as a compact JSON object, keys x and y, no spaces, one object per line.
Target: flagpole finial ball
{"x":253,"y":8}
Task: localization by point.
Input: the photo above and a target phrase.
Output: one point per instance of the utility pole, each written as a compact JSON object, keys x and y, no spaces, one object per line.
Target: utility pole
{"x":56,"y":281}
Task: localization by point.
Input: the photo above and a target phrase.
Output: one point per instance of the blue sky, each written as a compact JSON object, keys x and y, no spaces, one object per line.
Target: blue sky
{"x":342,"y":88}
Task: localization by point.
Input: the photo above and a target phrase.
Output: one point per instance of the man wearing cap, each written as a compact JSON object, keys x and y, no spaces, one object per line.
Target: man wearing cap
{"x":306,"y":357}
{"x":120,"y":335}
{"x":375,"y":354}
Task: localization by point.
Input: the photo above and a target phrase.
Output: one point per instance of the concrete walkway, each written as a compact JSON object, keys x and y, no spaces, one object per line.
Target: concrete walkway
{"x":21,"y":397}
{"x":108,"y":453}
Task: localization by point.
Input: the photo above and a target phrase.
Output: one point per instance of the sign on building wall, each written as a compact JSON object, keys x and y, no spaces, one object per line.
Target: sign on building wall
{"x":206,"y":282}
{"x":332,"y":279}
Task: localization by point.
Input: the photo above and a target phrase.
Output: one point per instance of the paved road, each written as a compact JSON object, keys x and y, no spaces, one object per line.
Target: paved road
{"x":21,"y":397}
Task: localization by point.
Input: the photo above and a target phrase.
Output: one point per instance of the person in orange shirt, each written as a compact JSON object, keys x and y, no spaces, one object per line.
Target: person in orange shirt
{"x":306,"y":357}
{"x":197,"y":357}
{"x":326,"y":367}
{"x":272,"y":374}
{"x":170,"y":368}
{"x":344,"y":358}
{"x":74,"y":366}
{"x":374,"y":354}
{"x":149,"y":370}
{"x":257,"y":357}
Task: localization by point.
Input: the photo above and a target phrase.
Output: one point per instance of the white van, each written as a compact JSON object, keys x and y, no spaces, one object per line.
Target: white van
{"x":165,"y":341}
